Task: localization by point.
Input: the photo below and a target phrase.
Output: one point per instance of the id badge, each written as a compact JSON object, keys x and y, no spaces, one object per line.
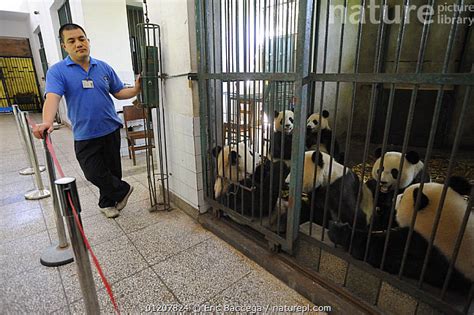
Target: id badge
{"x":87,"y":84}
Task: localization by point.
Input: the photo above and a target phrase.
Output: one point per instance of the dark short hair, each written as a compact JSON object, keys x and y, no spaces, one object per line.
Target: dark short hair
{"x":68,"y":27}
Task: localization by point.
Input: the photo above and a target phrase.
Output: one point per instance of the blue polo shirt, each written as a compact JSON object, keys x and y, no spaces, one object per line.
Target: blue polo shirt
{"x":91,"y":110}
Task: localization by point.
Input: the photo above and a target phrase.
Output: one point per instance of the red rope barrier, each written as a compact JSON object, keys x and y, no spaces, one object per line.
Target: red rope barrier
{"x":53,"y":155}
{"x":78,"y":222}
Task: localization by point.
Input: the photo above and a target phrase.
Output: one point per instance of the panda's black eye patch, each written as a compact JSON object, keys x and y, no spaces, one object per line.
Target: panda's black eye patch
{"x":281,"y":121}
{"x":395,"y":173}
{"x":291,"y":119}
{"x":315,"y":122}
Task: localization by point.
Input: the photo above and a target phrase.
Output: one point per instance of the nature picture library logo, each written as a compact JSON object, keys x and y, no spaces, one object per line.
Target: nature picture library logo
{"x":397,"y":14}
{"x":445,"y":14}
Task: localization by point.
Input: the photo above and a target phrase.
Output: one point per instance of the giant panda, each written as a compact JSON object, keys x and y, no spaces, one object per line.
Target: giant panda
{"x":320,"y":124}
{"x":452,"y":214}
{"x":390,"y":172}
{"x":317,"y":189}
{"x":283,"y":135}
{"x":257,"y":194}
{"x":410,"y":174}
{"x":234,"y":163}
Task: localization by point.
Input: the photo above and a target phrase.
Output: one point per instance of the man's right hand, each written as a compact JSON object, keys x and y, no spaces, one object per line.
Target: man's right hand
{"x":39,"y":129}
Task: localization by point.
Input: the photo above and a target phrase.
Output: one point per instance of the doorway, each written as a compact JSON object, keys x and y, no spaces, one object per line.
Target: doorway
{"x":18,"y":79}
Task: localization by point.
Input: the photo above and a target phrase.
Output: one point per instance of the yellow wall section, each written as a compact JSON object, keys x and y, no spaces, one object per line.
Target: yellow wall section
{"x":19,"y":78}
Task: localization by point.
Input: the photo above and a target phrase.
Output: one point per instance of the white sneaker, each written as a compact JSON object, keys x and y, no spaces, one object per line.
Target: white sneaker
{"x":121,"y":204}
{"x":110,"y":212}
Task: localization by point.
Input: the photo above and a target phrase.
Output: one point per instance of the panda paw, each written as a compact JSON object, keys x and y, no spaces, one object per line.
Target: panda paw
{"x":339,"y":233}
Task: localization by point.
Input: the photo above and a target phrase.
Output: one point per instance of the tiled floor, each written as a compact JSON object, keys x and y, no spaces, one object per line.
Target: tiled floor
{"x":150,"y":259}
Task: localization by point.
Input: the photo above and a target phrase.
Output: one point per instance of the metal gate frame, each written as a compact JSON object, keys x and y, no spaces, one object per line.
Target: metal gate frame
{"x":208,"y":90}
{"x":12,"y":85}
{"x":305,"y":78}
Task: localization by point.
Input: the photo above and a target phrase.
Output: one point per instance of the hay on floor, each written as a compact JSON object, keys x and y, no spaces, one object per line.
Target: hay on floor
{"x":437,"y":166}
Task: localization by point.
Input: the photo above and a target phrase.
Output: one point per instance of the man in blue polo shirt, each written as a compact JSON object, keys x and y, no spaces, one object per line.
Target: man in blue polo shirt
{"x":87,"y":84}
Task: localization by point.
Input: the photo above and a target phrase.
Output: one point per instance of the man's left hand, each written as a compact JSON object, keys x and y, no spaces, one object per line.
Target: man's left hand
{"x":129,"y":92}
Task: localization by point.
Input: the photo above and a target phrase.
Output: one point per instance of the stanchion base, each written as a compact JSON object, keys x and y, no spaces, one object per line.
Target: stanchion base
{"x":37,"y":194}
{"x":55,"y":256}
{"x":27,"y":171}
{"x":159,"y":207}
{"x":31,"y":171}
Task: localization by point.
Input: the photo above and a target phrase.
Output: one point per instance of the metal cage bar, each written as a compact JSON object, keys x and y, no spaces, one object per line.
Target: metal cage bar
{"x":421,"y":54}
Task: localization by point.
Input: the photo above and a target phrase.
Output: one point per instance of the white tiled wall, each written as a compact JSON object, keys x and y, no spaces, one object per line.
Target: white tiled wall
{"x":181,"y":155}
{"x":183,"y":137}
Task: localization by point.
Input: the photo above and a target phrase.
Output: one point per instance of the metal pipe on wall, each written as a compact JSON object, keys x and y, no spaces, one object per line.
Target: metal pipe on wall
{"x":149,"y":40}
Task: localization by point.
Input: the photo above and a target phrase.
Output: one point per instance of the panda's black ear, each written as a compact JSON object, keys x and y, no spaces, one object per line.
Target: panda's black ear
{"x":412,"y":157}
{"x":233,"y":158}
{"x":424,"y":201}
{"x":320,"y":158}
{"x":215,"y":151}
{"x":460,"y":185}
{"x":378,"y":153}
{"x":277,"y":113}
{"x":325,"y":114}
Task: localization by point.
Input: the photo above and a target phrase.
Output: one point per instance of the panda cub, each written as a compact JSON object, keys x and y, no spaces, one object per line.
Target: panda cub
{"x":319,"y":124}
{"x":234,"y":163}
{"x":282,"y":135}
{"x":321,"y":186}
{"x":390,"y":172}
{"x":257,"y":194}
{"x":411,"y":173}
{"x":449,"y":227}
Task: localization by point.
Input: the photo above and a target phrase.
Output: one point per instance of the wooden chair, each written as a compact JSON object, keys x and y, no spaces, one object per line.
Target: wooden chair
{"x":131,"y":113}
{"x":242,"y":123}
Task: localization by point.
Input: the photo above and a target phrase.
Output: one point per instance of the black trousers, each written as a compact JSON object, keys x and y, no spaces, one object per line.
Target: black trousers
{"x":100,"y":161}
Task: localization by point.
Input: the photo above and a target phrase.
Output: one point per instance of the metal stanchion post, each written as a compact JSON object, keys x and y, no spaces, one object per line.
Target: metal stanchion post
{"x":60,"y":253}
{"x":29,"y":170}
{"x":40,"y":192}
{"x":67,"y":188}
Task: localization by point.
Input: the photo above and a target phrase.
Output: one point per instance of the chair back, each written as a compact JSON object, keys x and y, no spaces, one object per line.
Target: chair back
{"x":132,"y":113}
